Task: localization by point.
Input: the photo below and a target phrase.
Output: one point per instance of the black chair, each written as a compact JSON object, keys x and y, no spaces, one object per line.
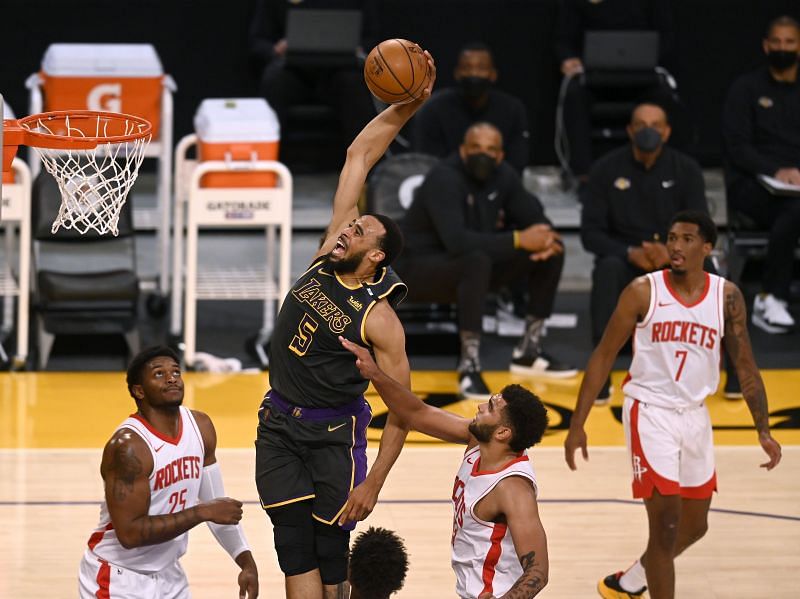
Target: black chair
{"x":83,"y":284}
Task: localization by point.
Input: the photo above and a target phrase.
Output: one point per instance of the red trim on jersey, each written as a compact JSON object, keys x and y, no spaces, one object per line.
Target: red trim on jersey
{"x":493,"y":556}
{"x":476,"y":466}
{"x":172,"y":440}
{"x":103,"y":581}
{"x":98,"y":535}
{"x":680,"y":300}
{"x":627,"y":378}
{"x":704,"y":491}
{"x":645,"y":479}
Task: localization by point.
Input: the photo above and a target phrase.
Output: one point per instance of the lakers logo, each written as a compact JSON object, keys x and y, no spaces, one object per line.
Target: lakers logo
{"x":622,"y":183}
{"x":765,"y":102}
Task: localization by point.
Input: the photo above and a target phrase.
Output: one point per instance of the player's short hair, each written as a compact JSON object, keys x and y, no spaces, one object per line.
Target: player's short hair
{"x":706,"y":226}
{"x":653,"y":103}
{"x":392,"y":241}
{"x":136,"y":367}
{"x":782,"y":21}
{"x":378,"y":563}
{"x":526,"y":416}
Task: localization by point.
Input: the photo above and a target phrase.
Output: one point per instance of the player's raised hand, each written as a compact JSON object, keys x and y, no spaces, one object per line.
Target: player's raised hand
{"x":772,"y":449}
{"x":575,"y":439}
{"x":364,"y":362}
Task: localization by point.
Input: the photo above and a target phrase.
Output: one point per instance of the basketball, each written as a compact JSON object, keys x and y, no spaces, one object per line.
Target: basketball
{"x":396,"y":71}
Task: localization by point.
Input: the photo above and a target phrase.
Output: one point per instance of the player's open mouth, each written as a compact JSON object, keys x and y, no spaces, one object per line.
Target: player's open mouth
{"x":676,"y":259}
{"x":340,"y":248}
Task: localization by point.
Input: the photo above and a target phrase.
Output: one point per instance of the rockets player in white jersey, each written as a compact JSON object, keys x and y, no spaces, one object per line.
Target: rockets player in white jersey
{"x":679,"y":317}
{"x":499,"y":547}
{"x":161,"y":479}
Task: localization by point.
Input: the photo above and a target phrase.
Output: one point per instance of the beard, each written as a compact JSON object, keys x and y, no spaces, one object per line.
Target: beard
{"x":346,"y":266}
{"x":678,"y":272}
{"x":482,"y":432}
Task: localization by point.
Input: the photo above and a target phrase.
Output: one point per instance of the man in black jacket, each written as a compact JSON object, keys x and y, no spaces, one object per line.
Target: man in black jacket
{"x":761,"y":129}
{"x":631,"y":196}
{"x":473,"y":228}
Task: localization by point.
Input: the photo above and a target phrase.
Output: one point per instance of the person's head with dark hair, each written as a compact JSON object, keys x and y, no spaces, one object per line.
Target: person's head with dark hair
{"x":481,"y":151}
{"x":378,"y":564}
{"x":648,"y":130}
{"x":475,"y":72}
{"x":781,"y":44}
{"x":392,"y":241}
{"x":514,"y":416}
{"x":692,"y":235}
{"x":154,"y":373}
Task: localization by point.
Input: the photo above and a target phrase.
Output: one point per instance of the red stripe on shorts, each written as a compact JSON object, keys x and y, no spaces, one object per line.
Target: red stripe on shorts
{"x":645,"y":479}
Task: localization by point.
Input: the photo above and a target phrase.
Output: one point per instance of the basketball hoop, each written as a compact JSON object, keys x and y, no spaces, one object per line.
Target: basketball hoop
{"x":94,"y":157}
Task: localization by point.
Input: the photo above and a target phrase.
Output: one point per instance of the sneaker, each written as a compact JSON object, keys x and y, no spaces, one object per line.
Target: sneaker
{"x":771,"y":315}
{"x":604,"y":397}
{"x":541,"y":364}
{"x":610,"y":588}
{"x":733,"y":389}
{"x":472,"y":386}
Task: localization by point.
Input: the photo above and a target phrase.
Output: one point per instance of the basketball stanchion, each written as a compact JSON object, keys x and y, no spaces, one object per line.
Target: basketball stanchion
{"x":94,"y":156}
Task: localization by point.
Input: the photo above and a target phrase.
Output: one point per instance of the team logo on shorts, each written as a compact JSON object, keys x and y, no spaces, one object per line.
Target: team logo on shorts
{"x":638,"y":469}
{"x":765,"y":102}
{"x":622,"y":183}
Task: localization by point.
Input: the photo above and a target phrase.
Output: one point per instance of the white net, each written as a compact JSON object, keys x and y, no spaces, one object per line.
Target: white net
{"x":93,"y":183}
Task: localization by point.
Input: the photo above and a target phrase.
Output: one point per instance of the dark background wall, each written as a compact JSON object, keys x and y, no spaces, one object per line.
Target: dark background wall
{"x":203,"y":45}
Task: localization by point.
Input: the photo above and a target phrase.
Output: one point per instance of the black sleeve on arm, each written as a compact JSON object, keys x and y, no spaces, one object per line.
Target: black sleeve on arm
{"x":738,"y":132}
{"x":522,"y":207}
{"x":444,"y":195}
{"x":594,"y":218}
{"x":568,"y":31}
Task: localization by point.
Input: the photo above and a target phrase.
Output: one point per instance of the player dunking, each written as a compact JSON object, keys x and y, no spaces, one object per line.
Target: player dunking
{"x":679,"y":318}
{"x":310,"y":449}
{"x":161,"y":479}
{"x":499,"y":543}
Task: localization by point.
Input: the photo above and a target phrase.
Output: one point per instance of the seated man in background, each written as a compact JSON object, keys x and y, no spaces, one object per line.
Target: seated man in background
{"x":283,"y":84}
{"x":631,"y":196}
{"x":761,"y":131}
{"x":438,"y":129}
{"x":575,"y":19}
{"x":378,"y":564}
{"x":472,"y":228}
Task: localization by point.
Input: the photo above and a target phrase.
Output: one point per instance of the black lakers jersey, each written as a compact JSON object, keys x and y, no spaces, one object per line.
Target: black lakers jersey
{"x":308,"y":365}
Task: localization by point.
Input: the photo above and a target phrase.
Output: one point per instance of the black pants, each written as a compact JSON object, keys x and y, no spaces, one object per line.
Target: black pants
{"x":342,"y":89}
{"x":582,"y":93}
{"x":781,"y":217}
{"x":468,"y":278}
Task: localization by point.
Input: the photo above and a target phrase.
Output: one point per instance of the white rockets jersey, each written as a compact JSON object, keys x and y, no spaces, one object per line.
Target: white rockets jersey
{"x":483,"y":555}
{"x":676,"y":347}
{"x":174,"y":486}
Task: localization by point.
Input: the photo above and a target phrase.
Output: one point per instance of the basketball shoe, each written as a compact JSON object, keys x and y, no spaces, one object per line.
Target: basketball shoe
{"x":609,"y":588}
{"x":470,"y":382}
{"x":538,"y":363}
{"x":770,"y":314}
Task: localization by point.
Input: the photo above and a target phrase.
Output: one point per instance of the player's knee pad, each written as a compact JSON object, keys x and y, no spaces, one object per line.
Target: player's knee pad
{"x":293,"y":529}
{"x":333,"y":547}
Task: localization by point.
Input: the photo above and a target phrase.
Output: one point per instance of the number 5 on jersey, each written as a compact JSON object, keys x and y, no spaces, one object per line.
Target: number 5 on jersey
{"x":305,"y":335}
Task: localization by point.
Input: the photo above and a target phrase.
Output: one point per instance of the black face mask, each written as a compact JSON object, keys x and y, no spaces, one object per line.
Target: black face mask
{"x":647,"y":139}
{"x":480,"y":167}
{"x":474,"y":88}
{"x":780,"y":60}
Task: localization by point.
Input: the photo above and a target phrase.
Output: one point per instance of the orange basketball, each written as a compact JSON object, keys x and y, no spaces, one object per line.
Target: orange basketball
{"x":396,"y":71}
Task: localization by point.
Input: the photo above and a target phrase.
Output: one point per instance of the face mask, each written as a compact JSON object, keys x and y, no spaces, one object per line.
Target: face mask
{"x":647,"y":139}
{"x":780,"y":60}
{"x":474,"y":87}
{"x":480,"y":167}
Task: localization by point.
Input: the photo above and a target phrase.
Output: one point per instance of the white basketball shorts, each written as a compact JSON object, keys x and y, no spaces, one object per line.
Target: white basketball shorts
{"x":671,"y":450}
{"x":98,"y":579}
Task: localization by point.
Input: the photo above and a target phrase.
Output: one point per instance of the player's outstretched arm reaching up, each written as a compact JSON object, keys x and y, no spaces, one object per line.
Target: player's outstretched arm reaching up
{"x":737,"y":342}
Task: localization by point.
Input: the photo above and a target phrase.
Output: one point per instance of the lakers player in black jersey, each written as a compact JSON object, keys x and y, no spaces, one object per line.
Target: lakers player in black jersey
{"x":311,"y":469}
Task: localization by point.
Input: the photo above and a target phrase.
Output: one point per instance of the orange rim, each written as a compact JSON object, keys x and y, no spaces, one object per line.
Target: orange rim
{"x":45,"y":140}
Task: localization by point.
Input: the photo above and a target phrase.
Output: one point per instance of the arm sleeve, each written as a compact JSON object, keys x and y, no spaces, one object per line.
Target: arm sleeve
{"x":230,"y":537}
{"x":518,"y":147}
{"x":595,"y":234}
{"x":738,"y":132}
{"x":568,"y":31}
{"x":444,"y":194}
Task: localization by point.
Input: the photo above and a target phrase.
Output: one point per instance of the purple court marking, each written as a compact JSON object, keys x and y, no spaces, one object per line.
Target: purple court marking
{"x":427,"y":501}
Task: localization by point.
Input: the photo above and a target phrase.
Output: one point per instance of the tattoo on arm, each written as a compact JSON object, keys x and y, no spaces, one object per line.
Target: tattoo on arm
{"x":126,"y":467}
{"x":737,"y":342}
{"x":532,"y":581}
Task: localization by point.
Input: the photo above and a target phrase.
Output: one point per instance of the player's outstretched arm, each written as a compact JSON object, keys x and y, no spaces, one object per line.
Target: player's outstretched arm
{"x":230,"y":536}
{"x":737,"y":342}
{"x":125,"y":468}
{"x":367,"y":148}
{"x":516,"y":500}
{"x":631,"y":307}
{"x":410,"y":408}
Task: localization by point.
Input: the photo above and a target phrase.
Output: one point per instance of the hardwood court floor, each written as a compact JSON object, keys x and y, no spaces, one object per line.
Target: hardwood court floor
{"x":52,"y":427}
